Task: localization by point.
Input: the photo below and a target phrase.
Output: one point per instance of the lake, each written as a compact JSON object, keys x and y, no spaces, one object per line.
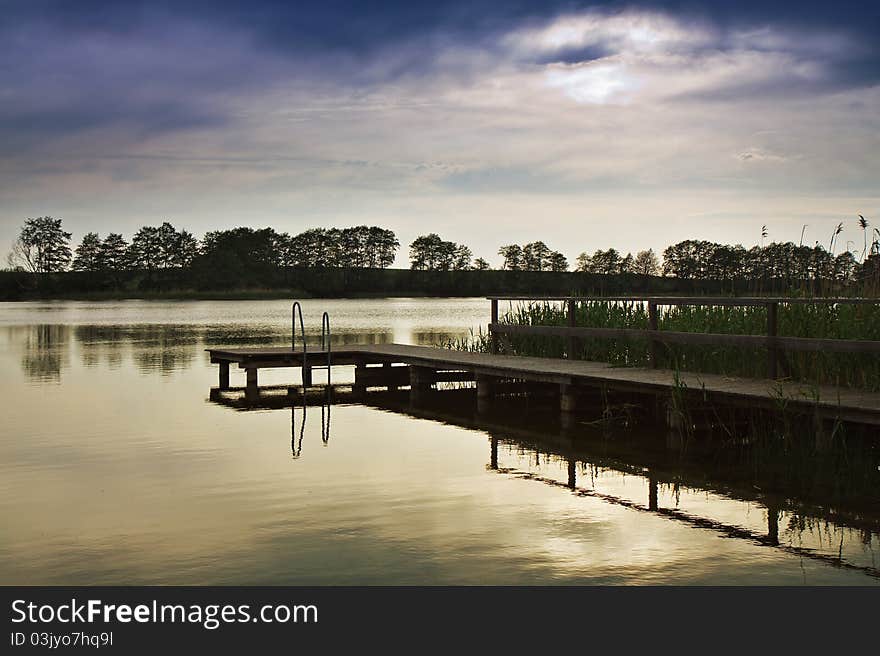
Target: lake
{"x":117,"y":467}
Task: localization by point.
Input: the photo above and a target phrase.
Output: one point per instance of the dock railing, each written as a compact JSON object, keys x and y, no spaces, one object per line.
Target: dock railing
{"x":771,"y":341}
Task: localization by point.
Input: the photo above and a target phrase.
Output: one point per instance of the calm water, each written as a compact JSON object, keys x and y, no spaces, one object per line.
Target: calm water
{"x":116,"y":467}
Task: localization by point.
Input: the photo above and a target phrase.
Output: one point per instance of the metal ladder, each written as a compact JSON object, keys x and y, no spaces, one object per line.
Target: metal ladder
{"x":325,"y":343}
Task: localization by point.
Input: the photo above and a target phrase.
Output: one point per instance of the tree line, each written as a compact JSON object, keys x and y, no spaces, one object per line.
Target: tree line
{"x":43,"y":246}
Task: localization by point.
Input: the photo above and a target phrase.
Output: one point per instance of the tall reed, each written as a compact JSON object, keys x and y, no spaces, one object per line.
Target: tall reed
{"x":834,"y":321}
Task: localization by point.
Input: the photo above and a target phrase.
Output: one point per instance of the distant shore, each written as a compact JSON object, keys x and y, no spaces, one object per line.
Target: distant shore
{"x":184,"y":284}
{"x":225,"y":295}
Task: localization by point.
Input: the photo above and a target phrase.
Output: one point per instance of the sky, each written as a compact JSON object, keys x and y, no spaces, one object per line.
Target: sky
{"x":583,"y":124}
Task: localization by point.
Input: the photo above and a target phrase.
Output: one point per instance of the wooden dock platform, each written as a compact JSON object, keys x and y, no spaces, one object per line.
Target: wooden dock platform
{"x":425,"y":365}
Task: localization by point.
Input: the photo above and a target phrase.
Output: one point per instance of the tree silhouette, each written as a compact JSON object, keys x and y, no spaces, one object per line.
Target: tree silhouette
{"x":606,"y":262}
{"x":162,"y":247}
{"x":646,"y":263}
{"x":430,"y":252}
{"x":87,"y":256}
{"x":584,"y":263}
{"x":145,"y":249}
{"x":42,"y":246}
{"x":113,"y":253}
{"x":513,"y":257}
{"x":557,"y":262}
{"x":462,"y":258}
{"x":536,"y":256}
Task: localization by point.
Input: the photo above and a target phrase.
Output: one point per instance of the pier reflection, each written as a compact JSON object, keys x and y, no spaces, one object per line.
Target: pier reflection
{"x":527,"y":444}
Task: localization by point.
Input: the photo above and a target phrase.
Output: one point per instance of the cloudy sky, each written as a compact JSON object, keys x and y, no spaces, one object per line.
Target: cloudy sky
{"x":587,"y":125}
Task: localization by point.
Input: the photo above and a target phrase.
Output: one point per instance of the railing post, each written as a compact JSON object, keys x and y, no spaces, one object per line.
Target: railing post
{"x":493,"y":338}
{"x":772,"y":351}
{"x":653,"y":325}
{"x":573,"y":342}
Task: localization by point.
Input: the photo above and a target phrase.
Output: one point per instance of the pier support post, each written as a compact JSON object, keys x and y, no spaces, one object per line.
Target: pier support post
{"x":484,"y":387}
{"x":252,"y":391}
{"x":824,"y":431}
{"x":224,"y":375}
{"x":773,"y":524}
{"x":360,"y":379}
{"x":677,"y":419}
{"x":420,"y":380}
{"x":652,"y":493}
{"x":567,"y":398}
{"x":484,"y":393}
{"x":389,"y":376}
{"x":674,"y":440}
{"x":306,"y":373}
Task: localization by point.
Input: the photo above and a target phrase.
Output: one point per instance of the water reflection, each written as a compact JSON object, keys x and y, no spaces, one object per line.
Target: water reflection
{"x":114,"y":470}
{"x":296,"y":437}
{"x":161,"y":348}
{"x":299,"y":406}
{"x":590,"y":464}
{"x":44,"y":351}
{"x":165,"y":337}
{"x":835,"y":534}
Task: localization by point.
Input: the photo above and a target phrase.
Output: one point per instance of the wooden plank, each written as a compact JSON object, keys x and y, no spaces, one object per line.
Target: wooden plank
{"x":742,"y":301}
{"x":717,"y":339}
{"x":829,"y":399}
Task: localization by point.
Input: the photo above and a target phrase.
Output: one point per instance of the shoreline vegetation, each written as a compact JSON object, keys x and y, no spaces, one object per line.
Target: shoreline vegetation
{"x":829,"y":321}
{"x":187,"y":284}
{"x":170,"y":263}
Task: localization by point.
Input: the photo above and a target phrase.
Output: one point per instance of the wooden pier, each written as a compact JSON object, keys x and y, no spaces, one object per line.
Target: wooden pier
{"x":422,"y":367}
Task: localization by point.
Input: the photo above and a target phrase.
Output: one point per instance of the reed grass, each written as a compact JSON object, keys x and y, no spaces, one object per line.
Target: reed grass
{"x":796,"y":320}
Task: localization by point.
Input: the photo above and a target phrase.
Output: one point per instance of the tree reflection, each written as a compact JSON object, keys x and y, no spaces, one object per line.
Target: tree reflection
{"x":45,"y":351}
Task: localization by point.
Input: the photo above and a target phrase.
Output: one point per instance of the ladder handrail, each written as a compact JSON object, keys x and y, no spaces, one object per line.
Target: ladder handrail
{"x":302,"y":329}
{"x":307,"y":382}
{"x":325,"y":340}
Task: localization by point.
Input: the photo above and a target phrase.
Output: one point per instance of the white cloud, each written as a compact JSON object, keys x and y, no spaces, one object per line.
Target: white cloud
{"x":670,"y":125}
{"x":636,"y":32}
{"x":593,"y":82}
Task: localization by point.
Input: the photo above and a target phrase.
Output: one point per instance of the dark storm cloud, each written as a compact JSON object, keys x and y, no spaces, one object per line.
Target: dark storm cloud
{"x":360,"y":27}
{"x":160,"y":66}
